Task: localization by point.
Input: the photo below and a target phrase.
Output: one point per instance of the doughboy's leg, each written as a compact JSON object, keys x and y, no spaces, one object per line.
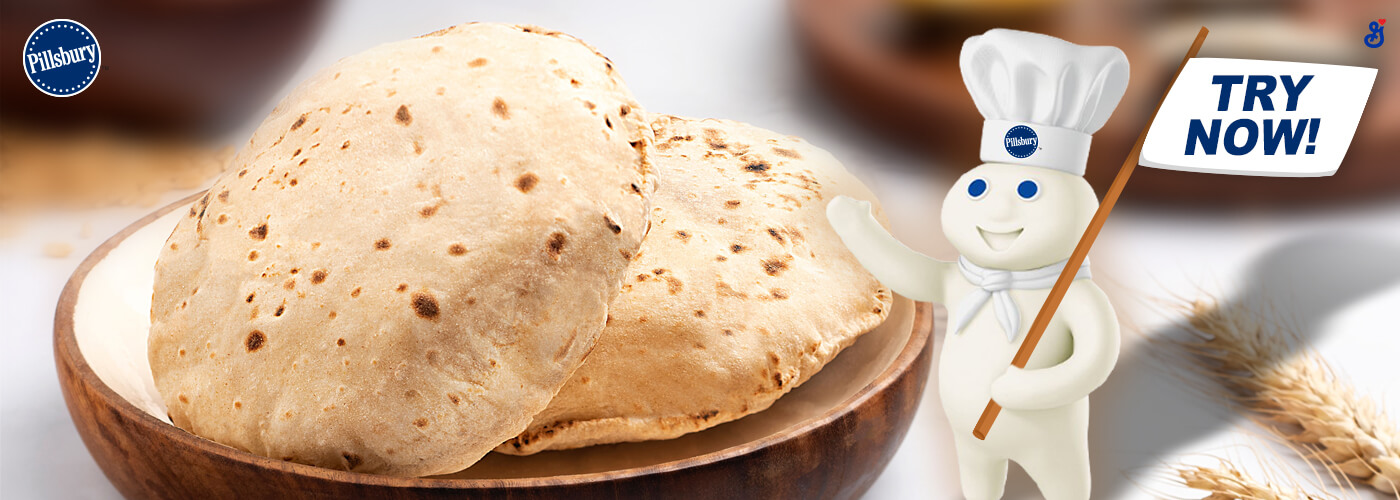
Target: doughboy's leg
{"x":1061,"y":472}
{"x":983,"y":475}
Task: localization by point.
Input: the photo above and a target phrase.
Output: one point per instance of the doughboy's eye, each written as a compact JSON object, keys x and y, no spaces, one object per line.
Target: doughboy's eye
{"x":977,"y":189}
{"x":1028,"y":190}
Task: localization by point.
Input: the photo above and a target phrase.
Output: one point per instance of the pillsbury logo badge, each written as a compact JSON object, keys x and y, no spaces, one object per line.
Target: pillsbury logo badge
{"x":61,"y":57}
{"x":1021,"y":141}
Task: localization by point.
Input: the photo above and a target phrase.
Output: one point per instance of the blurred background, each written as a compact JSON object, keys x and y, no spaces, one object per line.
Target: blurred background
{"x":183,"y":84}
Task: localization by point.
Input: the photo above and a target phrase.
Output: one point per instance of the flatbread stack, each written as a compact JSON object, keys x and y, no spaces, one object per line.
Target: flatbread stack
{"x":741,"y":292}
{"x":411,"y":255}
{"x":478,"y":237}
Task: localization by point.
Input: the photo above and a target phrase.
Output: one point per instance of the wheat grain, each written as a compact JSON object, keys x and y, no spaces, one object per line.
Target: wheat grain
{"x":1226,"y":482}
{"x":1293,"y":392}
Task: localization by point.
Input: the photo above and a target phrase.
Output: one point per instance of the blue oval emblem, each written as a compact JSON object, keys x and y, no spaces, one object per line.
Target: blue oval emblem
{"x":61,"y":57}
{"x":1021,"y":141}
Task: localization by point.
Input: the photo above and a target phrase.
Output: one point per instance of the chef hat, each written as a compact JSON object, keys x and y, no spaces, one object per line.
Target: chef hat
{"x":1041,"y":96}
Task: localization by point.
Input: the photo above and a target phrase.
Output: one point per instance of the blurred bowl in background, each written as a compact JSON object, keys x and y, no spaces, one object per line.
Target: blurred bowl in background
{"x":894,"y":64}
{"x":167,"y":65}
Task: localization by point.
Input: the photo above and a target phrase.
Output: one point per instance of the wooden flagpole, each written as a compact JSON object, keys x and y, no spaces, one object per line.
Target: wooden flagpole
{"x":1081,"y":251}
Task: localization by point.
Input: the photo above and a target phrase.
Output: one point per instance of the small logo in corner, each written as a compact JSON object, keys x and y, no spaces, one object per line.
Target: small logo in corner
{"x":1377,"y":36}
{"x":61,"y":57}
{"x":1021,"y":141}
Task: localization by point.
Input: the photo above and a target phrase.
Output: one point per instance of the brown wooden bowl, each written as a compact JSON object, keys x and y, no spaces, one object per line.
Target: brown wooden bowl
{"x":829,"y":438}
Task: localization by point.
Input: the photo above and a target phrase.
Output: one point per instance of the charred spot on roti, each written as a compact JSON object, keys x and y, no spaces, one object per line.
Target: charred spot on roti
{"x":250,"y":297}
{"x":775,"y":266}
{"x":258,"y":232}
{"x":456,"y":249}
{"x":778,"y":293}
{"x":355,"y":293}
{"x":184,"y":399}
{"x":401,"y":288}
{"x":454,"y":399}
{"x":381,"y":244}
{"x":252,"y":255}
{"x":590,"y":105}
{"x":255,"y":340}
{"x":699,"y":313}
{"x":290,"y":284}
{"x":425,"y":305}
{"x":345,"y":145}
{"x":774,"y":233}
{"x":420,"y":422}
{"x":340,"y":341}
{"x":223,"y":218}
{"x":280,"y":309}
{"x":301,"y":120}
{"x":757,"y":167}
{"x":787,"y":153}
{"x":526,"y":182}
{"x":499,"y":108}
{"x":732,"y":204}
{"x":351,"y":460}
{"x":223,"y":195}
{"x":624,"y":110}
{"x":673,"y":285}
{"x":607,"y":121}
{"x":427,"y":211}
{"x":612,"y":225}
{"x":296,"y":153}
{"x":736,"y":248}
{"x":683,"y":235}
{"x":318,"y":276}
{"x":555,"y":245}
{"x":478,"y":62}
{"x":402,"y":116}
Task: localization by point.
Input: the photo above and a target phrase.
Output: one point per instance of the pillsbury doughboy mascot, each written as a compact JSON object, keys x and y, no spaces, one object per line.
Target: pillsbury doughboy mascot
{"x":1015,"y":219}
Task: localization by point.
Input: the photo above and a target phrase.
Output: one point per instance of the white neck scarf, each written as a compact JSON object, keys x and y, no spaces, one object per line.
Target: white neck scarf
{"x":994,"y":284}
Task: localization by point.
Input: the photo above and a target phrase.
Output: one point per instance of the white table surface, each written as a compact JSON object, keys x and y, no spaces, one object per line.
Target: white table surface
{"x":1336,"y":270}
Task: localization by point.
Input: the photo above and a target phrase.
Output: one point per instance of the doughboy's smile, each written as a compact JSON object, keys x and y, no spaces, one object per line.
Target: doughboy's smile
{"x":999,"y":241}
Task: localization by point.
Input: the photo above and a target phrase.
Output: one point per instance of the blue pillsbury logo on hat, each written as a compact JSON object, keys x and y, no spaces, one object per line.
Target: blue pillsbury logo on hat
{"x":1021,"y":141}
{"x":61,"y":57}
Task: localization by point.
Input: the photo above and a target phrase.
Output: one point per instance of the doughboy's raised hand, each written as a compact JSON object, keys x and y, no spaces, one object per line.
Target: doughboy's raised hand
{"x":844,"y":212}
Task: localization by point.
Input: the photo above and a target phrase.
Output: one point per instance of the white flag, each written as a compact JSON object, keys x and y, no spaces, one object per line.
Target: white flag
{"x":1251,"y":117}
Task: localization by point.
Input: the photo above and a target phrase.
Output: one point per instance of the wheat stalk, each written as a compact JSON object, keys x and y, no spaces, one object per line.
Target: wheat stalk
{"x":1294,"y":393}
{"x":1226,"y":482}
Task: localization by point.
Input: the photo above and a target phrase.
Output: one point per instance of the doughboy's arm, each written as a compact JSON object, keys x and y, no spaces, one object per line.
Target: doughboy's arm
{"x":905,"y":271}
{"x":1094,"y":328}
